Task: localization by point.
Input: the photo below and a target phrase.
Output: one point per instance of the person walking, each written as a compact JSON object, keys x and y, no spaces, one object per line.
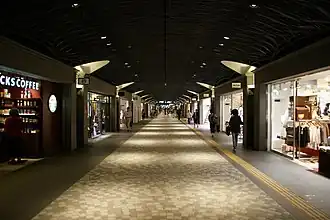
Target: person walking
{"x":213,"y":119}
{"x":128,"y":119}
{"x":143,"y":114}
{"x":178,"y":112}
{"x":196,"y":118}
{"x":189,"y":116}
{"x":235,"y":127}
{"x":13,"y":131}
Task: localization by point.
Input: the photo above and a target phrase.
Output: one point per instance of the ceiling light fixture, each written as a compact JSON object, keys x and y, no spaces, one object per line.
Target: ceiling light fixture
{"x":200,"y":47}
{"x":129,"y":46}
{"x":201,"y":66}
{"x":204,"y":64}
{"x":221,"y":45}
{"x":227,"y":38}
{"x":108,"y":44}
{"x":104,"y":37}
{"x":126,"y":64}
{"x":253,"y":6}
{"x":75,"y":5}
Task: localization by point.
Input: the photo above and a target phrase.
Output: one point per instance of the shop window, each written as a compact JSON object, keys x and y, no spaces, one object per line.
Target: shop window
{"x":98,"y":114}
{"x":299,"y":117}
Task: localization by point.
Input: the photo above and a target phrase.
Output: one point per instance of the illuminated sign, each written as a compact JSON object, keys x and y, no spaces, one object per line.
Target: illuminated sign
{"x":236,"y":85}
{"x":52,"y":103}
{"x":18,"y":82}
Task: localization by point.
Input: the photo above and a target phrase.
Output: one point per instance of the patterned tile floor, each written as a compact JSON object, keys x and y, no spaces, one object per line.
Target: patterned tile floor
{"x":164,"y":171}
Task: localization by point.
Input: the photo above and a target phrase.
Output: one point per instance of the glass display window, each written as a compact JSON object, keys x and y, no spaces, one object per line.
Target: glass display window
{"x":98,"y":114}
{"x":303,"y":107}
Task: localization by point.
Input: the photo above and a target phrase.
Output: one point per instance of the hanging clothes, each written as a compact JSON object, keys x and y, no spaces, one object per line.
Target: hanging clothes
{"x":315,"y":134}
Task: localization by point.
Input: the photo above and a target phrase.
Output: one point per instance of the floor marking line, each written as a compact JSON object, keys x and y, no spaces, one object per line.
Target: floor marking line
{"x":295,"y":200}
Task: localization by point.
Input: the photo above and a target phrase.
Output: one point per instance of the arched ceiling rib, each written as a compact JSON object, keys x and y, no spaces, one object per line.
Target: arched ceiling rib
{"x":194,"y":34}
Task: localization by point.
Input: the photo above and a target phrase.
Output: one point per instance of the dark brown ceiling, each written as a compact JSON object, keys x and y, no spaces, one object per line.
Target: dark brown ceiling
{"x":169,"y":39}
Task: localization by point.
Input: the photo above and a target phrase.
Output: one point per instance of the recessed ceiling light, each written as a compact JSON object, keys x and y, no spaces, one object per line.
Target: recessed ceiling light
{"x":227,"y":38}
{"x":201,"y":66}
{"x":104,"y":37}
{"x":75,"y":5}
{"x":136,"y":75}
{"x":204,"y":64}
{"x":126,"y":64}
{"x":108,"y":44}
{"x":221,"y":45}
{"x":129,"y":46}
{"x":253,"y":6}
{"x":200,"y":47}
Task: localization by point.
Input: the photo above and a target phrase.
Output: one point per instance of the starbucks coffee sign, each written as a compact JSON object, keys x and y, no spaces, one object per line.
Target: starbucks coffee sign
{"x":18,"y":82}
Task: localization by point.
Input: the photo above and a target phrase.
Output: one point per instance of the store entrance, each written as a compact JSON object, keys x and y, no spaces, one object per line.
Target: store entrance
{"x":298,"y":115}
{"x":98,"y":115}
{"x":206,"y":107}
{"x":124,"y":104}
{"x":227,"y":103}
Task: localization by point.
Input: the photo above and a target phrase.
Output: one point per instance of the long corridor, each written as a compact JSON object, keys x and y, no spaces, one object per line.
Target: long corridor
{"x":164,"y":171}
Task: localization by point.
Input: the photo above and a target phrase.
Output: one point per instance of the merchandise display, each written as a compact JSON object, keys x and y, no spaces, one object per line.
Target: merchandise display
{"x":26,"y":98}
{"x":98,"y":113}
{"x":303,"y":107}
{"x":28,"y":107}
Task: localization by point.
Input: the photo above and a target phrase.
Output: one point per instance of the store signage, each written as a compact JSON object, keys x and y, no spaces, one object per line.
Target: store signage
{"x":236,"y":85}
{"x":52,"y":103}
{"x":18,"y":82}
{"x":84,"y":81}
{"x":206,"y":95}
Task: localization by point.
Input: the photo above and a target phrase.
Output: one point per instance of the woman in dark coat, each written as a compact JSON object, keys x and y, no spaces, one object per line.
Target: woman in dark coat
{"x":213,"y":118}
{"x":196,"y":118}
{"x":13,"y":131}
{"x":235,"y":127}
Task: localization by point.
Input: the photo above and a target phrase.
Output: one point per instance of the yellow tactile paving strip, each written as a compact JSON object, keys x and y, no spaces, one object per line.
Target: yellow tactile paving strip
{"x":294,"y":199}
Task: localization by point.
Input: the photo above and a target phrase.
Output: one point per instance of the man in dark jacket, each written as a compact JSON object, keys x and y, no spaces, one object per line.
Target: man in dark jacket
{"x":235,"y":127}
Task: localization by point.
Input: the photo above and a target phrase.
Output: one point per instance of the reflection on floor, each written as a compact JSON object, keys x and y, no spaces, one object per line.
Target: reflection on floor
{"x":6,"y":168}
{"x":171,"y":175}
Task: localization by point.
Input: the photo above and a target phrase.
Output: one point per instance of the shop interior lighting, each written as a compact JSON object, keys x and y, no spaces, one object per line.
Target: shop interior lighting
{"x":75,"y":5}
{"x":104,"y":37}
{"x":227,"y":38}
{"x":108,"y":44}
{"x":201,"y":66}
{"x":204,"y":64}
{"x":126,"y":64}
{"x":221,"y":45}
{"x":253,"y":6}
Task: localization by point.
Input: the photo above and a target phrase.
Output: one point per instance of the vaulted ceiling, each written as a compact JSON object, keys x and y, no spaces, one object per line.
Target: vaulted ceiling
{"x":170,"y":41}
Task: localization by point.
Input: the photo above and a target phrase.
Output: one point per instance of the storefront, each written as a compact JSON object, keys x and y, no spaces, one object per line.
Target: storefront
{"x":137,"y":109}
{"x":298,"y":115}
{"x":229,"y":102}
{"x":205,"y":109}
{"x":98,"y":114}
{"x":290,"y":107}
{"x":39,"y":103}
{"x":124,"y":104}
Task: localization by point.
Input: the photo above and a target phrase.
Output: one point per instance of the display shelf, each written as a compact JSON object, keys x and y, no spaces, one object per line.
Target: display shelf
{"x":6,"y":115}
{"x":33,"y":99}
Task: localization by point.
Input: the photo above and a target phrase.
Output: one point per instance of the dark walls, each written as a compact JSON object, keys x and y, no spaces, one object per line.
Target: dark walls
{"x":52,"y":140}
